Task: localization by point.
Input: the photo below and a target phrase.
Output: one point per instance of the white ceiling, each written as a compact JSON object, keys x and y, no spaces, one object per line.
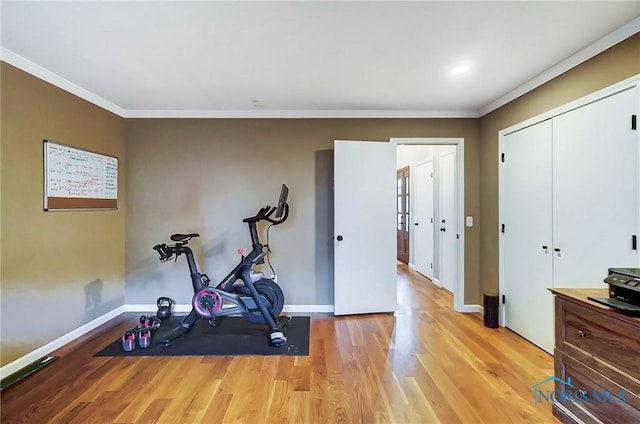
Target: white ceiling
{"x":306,"y":58}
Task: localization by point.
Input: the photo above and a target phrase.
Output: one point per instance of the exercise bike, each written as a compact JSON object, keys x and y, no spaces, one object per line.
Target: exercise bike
{"x":243,"y":291}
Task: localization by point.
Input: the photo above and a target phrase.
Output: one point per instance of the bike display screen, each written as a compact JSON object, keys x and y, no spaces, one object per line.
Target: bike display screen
{"x":282,"y":200}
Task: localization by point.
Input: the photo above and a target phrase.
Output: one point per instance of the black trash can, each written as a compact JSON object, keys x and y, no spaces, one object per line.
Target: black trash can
{"x":491,"y":310}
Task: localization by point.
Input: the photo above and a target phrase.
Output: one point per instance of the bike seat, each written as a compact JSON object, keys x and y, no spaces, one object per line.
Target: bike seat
{"x":182,"y":237}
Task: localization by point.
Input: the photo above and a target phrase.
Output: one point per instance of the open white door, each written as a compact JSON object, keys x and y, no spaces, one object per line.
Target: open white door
{"x":423,"y":221}
{"x":364,"y":227}
{"x":448,"y":225}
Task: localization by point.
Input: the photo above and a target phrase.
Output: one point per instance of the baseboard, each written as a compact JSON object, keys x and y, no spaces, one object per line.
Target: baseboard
{"x":58,"y":343}
{"x":152,"y":308}
{"x":437,"y":282}
{"x":307,"y":308}
{"x":469,"y":309}
{"x":412,"y":267}
{"x":186,"y":308}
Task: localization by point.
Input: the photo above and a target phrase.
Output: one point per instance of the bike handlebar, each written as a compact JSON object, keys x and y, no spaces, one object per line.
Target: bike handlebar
{"x":163,"y":251}
{"x":265,"y":214}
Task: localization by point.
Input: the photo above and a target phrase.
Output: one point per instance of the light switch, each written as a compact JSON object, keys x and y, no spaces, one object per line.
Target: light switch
{"x":469,"y":221}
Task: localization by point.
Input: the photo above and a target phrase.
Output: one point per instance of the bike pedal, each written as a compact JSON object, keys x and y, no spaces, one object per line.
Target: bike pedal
{"x":128,"y":341}
{"x":144,"y":338}
{"x":278,"y":338}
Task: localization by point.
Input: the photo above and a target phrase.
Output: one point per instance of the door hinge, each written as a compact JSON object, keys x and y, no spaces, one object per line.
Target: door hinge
{"x":502,"y":228}
{"x":432,"y":175}
{"x":503,"y":300}
{"x":431,"y":265}
{"x":432,"y":220}
{"x":634,"y":118}
{"x":634,"y":242}
{"x":457,"y":236}
{"x":502,"y":157}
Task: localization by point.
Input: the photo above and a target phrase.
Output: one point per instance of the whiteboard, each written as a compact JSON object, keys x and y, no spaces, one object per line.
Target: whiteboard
{"x":78,"y":179}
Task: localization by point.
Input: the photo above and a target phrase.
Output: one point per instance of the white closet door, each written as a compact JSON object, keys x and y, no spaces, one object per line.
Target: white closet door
{"x":595,"y":190}
{"x":525,"y":198}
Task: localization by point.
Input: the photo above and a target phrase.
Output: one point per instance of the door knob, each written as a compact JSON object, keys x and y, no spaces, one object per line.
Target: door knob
{"x":416,"y":223}
{"x":340,"y":238}
{"x":443,"y":229}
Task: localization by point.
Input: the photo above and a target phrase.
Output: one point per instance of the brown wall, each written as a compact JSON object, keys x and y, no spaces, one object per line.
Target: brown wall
{"x":205,"y":175}
{"x":618,"y":63}
{"x":60,"y":270}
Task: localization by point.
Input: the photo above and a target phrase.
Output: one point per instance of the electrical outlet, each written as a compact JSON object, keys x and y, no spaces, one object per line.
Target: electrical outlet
{"x":469,"y":221}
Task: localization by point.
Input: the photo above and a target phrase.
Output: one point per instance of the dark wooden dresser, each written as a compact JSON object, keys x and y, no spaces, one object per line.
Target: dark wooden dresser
{"x":597,"y":352}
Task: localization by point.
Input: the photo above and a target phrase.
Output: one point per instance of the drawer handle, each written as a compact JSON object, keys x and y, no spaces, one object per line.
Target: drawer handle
{"x":582,"y":334}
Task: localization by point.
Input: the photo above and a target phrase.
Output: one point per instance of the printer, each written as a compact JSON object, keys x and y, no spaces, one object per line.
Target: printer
{"x":624,"y":290}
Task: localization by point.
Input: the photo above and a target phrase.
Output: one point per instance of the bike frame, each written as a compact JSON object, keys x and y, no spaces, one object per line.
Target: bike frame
{"x":243,"y":272}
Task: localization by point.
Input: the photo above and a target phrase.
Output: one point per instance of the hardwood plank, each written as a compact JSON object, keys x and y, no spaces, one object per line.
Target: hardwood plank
{"x":104,"y":409}
{"x":424,"y":364}
{"x":71,"y":414}
{"x":153,"y":411}
{"x":278,"y":402}
{"x":217,"y":408}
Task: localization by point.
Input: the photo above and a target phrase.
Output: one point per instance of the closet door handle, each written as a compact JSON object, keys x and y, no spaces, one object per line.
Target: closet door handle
{"x":556,"y":250}
{"x":545,"y":248}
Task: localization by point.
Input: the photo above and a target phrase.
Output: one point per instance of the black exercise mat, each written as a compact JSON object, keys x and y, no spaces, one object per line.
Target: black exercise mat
{"x":232,"y":335}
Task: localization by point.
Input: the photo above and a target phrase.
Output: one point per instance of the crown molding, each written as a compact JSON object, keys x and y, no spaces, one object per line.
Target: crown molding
{"x":36,"y":70}
{"x":627,"y":30}
{"x":299,"y":114}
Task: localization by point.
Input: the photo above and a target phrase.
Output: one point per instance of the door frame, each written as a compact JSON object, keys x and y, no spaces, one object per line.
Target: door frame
{"x":458,"y":143}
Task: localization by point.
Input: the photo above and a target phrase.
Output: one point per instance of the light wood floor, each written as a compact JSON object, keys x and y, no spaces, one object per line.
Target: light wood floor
{"x":425,"y":364}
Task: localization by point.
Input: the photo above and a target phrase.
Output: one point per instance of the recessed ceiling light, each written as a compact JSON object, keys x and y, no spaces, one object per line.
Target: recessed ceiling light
{"x":460,"y":69}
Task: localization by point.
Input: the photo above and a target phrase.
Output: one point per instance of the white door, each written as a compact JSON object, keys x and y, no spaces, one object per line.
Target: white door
{"x":448,"y":226}
{"x":364,"y":227}
{"x":423,"y":219}
{"x":595,"y":190}
{"x":526,"y":242}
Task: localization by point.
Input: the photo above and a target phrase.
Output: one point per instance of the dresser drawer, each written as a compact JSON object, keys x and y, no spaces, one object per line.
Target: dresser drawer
{"x":592,"y":397}
{"x":607,"y":339}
